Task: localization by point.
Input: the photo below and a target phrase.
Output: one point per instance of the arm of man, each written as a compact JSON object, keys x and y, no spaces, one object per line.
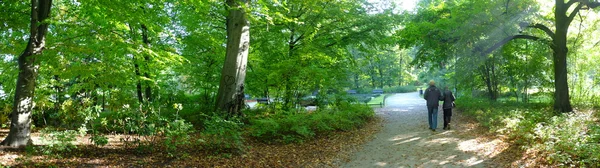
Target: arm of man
{"x":426,"y":93}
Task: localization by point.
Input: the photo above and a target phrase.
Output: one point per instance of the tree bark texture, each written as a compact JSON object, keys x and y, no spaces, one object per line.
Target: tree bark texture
{"x":230,"y":97}
{"x":20,"y":126}
{"x":562,"y":101}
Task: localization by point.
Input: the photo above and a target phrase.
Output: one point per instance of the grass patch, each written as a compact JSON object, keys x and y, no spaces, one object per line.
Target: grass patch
{"x":378,"y":100}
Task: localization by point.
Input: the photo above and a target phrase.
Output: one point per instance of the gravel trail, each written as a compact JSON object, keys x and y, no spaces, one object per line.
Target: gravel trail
{"x":406,"y":141}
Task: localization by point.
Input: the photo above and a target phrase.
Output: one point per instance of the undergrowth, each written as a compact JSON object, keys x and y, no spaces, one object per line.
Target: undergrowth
{"x":149,"y":129}
{"x":564,"y":140}
{"x":288,"y":127}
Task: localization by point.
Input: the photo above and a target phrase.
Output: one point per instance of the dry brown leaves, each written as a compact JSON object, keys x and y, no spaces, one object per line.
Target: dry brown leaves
{"x":325,"y":151}
{"x":504,"y":153}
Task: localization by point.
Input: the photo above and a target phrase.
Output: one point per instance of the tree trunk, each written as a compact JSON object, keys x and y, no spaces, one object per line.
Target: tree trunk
{"x":401,"y":70}
{"x":494,"y":79}
{"x":380,"y":71}
{"x":487,"y":76}
{"x":231,"y":87}
{"x":136,"y":68}
{"x":266,"y":91}
{"x":356,"y":81}
{"x":19,"y":135}
{"x":287,"y":99}
{"x":147,"y":61}
{"x":561,"y":87}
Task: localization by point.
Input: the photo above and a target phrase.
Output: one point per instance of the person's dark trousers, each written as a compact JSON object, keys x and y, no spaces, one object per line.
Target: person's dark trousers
{"x":447,"y":117}
{"x":432,"y":117}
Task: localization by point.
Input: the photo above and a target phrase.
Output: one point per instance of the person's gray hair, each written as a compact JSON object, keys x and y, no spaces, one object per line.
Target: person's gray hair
{"x":431,"y":82}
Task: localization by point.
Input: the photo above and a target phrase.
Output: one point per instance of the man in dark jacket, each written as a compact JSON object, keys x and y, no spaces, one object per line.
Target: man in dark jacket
{"x":433,"y":96}
{"x":447,"y":106}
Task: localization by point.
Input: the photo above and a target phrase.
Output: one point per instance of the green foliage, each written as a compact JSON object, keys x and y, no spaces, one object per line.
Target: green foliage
{"x":492,"y":114}
{"x":289,"y":127}
{"x":569,"y":140}
{"x":223,"y":135}
{"x":99,"y":140}
{"x":57,"y":141}
{"x":400,"y":89}
{"x":177,"y":136}
{"x":145,"y":120}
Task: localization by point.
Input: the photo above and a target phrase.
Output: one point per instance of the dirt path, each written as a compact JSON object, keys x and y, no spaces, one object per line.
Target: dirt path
{"x":406,"y":141}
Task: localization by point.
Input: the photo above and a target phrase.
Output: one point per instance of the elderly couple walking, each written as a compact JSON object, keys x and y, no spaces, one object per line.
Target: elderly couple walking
{"x":433,"y":95}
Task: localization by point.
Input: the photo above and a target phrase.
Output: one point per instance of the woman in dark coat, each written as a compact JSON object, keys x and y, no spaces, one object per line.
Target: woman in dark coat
{"x":447,"y":106}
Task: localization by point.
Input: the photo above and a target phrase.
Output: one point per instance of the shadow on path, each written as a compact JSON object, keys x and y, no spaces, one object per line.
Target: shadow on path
{"x":406,"y":141}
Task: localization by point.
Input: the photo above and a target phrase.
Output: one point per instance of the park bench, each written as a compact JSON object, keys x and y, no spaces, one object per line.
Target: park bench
{"x":262,"y":100}
{"x":377,"y":91}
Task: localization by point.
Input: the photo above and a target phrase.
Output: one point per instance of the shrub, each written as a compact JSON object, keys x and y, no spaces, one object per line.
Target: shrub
{"x":223,"y":135}
{"x":57,"y":141}
{"x":569,"y":140}
{"x":177,"y":136}
{"x":99,"y":140}
{"x":144,"y":127}
{"x":400,"y":89}
{"x":143,"y":121}
{"x":564,"y":140}
{"x":289,"y":127}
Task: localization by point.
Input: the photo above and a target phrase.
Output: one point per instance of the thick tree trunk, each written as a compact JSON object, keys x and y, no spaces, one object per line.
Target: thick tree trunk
{"x":20,"y":125}
{"x":562,"y":102}
{"x":231,"y":87}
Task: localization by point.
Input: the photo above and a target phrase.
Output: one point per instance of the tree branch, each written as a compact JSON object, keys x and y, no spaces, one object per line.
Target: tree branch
{"x":574,"y":13}
{"x":506,"y":40}
{"x":571,"y":2}
{"x":543,"y":28}
{"x":593,"y":4}
{"x":506,"y":9}
{"x":298,"y":39}
{"x":344,"y":38}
